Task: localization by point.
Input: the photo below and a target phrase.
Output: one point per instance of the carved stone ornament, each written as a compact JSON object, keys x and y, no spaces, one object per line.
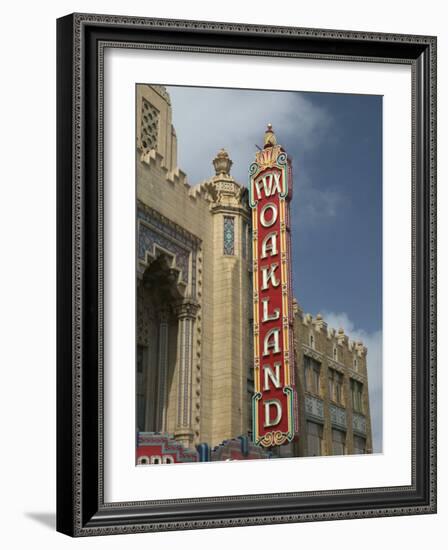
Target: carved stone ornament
{"x":187,"y":308}
{"x":222,"y":163}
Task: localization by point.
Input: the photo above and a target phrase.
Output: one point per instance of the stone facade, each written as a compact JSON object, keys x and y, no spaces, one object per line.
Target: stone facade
{"x":194,"y":307}
{"x":192,"y":263}
{"x":332,"y":385}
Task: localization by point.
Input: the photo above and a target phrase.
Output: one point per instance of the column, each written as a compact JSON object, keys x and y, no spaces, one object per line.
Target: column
{"x":186,"y":313}
{"x":149,"y":332}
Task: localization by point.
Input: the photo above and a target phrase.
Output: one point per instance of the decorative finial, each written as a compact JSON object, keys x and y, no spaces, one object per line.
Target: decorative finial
{"x":269,"y":137}
{"x":222,"y":163}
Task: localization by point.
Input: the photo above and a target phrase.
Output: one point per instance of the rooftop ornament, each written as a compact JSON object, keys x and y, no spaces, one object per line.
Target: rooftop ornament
{"x":269,"y":137}
{"x":222,"y":163}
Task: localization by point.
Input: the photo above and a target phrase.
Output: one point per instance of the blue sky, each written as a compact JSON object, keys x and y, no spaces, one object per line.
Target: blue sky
{"x":335,"y":142}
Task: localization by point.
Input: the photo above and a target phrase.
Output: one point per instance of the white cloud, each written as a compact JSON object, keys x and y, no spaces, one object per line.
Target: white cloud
{"x":207,"y":119}
{"x":374,"y":342}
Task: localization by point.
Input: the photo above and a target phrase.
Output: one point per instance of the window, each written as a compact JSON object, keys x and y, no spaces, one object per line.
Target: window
{"x":314,"y":439}
{"x":355,"y":363}
{"x":338,"y":441}
{"x":312,"y":375}
{"x":356,"y":388}
{"x":229,"y":235}
{"x":311,"y":341}
{"x":335,"y":353}
{"x":335,"y":386}
{"x":359,"y":445}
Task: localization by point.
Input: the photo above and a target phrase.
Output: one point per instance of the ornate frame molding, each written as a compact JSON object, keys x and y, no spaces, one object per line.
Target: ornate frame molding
{"x":81,"y":42}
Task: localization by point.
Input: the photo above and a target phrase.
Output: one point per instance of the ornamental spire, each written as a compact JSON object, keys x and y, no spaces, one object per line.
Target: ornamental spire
{"x":269,"y":137}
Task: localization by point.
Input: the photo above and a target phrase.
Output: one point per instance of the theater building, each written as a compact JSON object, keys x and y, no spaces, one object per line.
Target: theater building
{"x":195,"y":375}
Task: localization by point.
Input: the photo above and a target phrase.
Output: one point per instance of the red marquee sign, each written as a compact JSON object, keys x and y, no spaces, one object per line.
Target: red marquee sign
{"x":274,"y":402}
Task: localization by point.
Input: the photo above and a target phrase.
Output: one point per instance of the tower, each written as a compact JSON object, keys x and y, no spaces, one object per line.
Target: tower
{"x":231,"y":302}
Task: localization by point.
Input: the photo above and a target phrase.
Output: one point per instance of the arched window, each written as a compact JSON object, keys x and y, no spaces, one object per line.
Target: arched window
{"x":312,"y":341}
{"x":312,"y":375}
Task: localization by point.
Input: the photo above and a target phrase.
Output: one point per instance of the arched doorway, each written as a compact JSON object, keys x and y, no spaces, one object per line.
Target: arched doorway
{"x":158,"y":296}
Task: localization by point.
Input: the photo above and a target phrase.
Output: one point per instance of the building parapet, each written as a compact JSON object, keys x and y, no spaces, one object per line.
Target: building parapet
{"x":338,"y":336}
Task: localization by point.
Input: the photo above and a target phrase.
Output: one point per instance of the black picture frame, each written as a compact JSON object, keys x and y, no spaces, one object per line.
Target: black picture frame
{"x":81,"y":510}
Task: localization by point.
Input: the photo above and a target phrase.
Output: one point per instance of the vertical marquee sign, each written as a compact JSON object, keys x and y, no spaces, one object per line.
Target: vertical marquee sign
{"x":274,"y":401}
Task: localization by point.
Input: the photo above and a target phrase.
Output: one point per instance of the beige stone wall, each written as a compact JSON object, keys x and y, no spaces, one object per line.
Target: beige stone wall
{"x":159,"y":99}
{"x":332,"y":349}
{"x":231,"y":355}
{"x":220,"y":355}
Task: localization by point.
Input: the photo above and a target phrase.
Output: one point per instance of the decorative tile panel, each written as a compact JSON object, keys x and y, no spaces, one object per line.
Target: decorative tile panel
{"x":149,"y":125}
{"x":229,"y":235}
{"x":148,"y":238}
{"x":144,"y":323}
{"x":154,"y":230}
{"x":359,"y":423}
{"x":314,"y":407}
{"x":338,"y":416}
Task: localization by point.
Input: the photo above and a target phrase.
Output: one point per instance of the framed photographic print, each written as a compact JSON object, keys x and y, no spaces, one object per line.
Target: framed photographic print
{"x":246,"y":274}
